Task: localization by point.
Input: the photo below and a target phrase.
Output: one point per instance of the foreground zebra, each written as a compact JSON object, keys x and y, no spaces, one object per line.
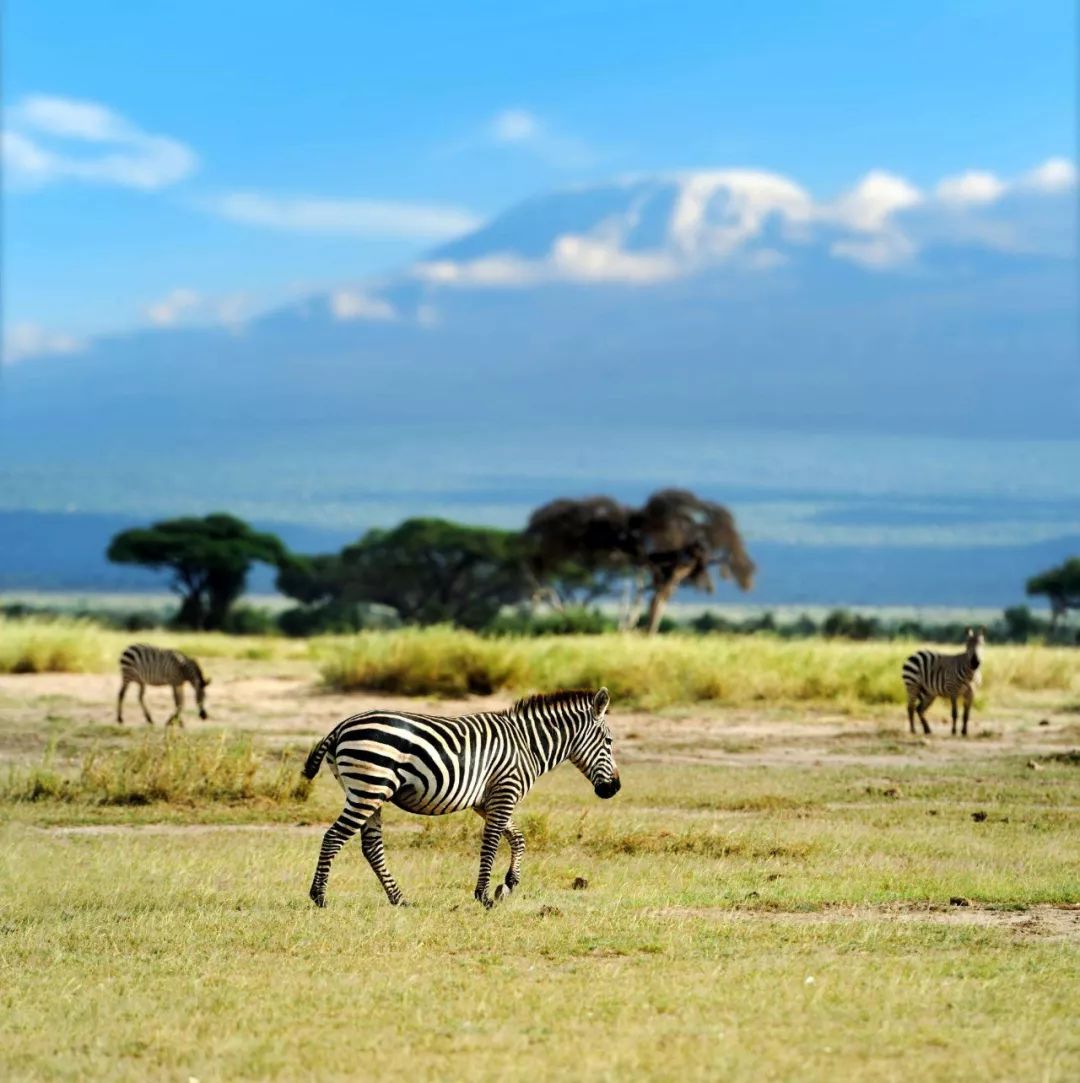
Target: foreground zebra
{"x":432,"y":765}
{"x":142,"y":664}
{"x":928,"y":675}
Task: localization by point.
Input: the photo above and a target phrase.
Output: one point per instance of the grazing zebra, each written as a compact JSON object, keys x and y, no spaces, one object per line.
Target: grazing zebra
{"x":432,"y":765}
{"x":142,"y":664}
{"x":928,"y":675}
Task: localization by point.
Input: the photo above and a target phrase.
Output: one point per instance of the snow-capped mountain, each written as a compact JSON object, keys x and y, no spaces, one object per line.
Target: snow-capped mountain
{"x":727,"y":297}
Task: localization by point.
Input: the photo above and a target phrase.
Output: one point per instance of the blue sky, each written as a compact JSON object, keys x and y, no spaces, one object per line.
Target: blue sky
{"x":247,"y":152}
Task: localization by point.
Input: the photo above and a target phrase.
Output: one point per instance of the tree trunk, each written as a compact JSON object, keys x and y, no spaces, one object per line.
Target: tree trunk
{"x":635,"y":587}
{"x":663,"y":593}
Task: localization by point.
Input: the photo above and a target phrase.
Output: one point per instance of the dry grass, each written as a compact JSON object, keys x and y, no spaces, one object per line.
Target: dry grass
{"x":651,"y":673}
{"x":668,"y":670}
{"x":172,"y":768}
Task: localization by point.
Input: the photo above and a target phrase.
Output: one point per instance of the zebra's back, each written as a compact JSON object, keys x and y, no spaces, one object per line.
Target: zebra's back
{"x":147,"y":664}
{"x":939,"y":674}
{"x":430,"y":763}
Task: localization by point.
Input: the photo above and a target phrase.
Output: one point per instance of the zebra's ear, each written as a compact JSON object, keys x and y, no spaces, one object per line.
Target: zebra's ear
{"x":205,"y":681}
{"x":601,"y":702}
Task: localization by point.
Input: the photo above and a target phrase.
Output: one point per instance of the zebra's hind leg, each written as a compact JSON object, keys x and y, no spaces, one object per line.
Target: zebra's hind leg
{"x":921,"y":707}
{"x":911,"y":713}
{"x":142,"y":704}
{"x":371,"y":842}
{"x":512,"y":834}
{"x":351,"y":820}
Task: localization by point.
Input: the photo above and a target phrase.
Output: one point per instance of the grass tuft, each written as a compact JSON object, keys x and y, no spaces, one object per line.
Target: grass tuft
{"x":173,"y":768}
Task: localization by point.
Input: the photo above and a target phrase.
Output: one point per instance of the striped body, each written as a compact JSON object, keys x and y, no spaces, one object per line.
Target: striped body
{"x":432,"y":765}
{"x":927,"y":675}
{"x":143,"y":664}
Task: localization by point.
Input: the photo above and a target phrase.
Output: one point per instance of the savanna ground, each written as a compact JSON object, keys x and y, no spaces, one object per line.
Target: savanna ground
{"x":788,"y":885}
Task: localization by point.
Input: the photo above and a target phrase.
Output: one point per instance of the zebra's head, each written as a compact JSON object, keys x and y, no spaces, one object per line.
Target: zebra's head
{"x":976,"y":637}
{"x":591,"y":751}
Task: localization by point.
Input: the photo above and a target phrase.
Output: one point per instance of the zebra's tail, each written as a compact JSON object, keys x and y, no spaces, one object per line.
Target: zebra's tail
{"x":318,"y":754}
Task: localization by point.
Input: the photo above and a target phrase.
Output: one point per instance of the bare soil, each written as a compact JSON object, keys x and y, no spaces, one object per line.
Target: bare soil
{"x":284,"y":704}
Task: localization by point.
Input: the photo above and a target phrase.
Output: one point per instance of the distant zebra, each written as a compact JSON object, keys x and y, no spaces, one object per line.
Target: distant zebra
{"x":432,"y":765}
{"x":143,"y":664}
{"x":928,"y":675}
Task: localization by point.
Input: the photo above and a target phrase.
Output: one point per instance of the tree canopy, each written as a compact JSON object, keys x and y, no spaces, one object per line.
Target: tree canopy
{"x":676,"y":538}
{"x":429,"y":570}
{"x":1060,"y":585}
{"x":209,"y":559}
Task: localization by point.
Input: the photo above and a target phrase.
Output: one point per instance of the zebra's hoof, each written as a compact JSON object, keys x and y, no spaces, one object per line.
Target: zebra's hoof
{"x":318,"y":898}
{"x":400,"y":902}
{"x":501,"y":892}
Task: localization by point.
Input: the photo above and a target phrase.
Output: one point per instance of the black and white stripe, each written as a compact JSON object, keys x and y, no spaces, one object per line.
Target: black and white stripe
{"x":143,"y":664}
{"x":928,"y":675}
{"x":432,"y":765}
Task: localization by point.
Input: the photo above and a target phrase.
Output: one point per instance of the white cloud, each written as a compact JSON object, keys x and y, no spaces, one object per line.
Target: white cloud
{"x":523,"y":130}
{"x":584,"y":259}
{"x":515,"y":126}
{"x":358,"y":305}
{"x":50,"y":139}
{"x":171,"y":308}
{"x":1054,"y":175}
{"x":873,"y":201}
{"x":972,"y":188}
{"x":346,"y":217}
{"x":428,"y":315}
{"x":25,"y":340}
{"x":496,"y":270}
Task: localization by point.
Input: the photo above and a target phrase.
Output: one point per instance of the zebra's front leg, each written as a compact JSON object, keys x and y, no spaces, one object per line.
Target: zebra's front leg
{"x":952,"y":700}
{"x":516,"y":840}
{"x":371,"y":842}
{"x":178,"y":699}
{"x":496,"y":812}
{"x":350,"y":821}
{"x":968,"y":697}
{"x":120,"y":702}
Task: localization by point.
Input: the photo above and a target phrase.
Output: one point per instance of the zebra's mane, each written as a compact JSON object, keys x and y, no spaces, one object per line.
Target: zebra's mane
{"x":571,"y":697}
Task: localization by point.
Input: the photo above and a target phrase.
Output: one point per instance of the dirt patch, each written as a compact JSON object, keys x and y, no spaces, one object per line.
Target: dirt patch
{"x":283,"y":703}
{"x":1043,"y":921}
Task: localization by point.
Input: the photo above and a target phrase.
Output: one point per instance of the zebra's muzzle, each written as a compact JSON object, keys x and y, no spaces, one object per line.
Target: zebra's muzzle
{"x":202,"y":714}
{"x":607,"y":789}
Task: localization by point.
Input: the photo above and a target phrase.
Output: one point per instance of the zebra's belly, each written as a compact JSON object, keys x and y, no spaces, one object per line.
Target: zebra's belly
{"x":414,"y":796}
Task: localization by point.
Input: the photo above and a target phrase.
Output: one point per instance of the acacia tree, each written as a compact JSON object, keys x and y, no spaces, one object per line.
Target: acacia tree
{"x":209,"y":559}
{"x":429,"y":570}
{"x":1061,"y":586}
{"x":676,"y":538}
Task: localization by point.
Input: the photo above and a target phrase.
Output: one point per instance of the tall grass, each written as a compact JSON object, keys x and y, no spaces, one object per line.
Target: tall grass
{"x":50,"y":645}
{"x":174,"y":768}
{"x":664,"y":671}
{"x":77,"y":645}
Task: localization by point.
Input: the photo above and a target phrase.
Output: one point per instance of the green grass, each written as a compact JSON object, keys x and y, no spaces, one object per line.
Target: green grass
{"x":195,"y":952}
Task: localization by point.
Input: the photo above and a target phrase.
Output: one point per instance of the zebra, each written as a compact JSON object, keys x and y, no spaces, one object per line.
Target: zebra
{"x":143,"y":664}
{"x":928,"y":675}
{"x":432,"y":765}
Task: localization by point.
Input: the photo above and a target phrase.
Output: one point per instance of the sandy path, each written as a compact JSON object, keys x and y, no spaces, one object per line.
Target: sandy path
{"x":283,"y":703}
